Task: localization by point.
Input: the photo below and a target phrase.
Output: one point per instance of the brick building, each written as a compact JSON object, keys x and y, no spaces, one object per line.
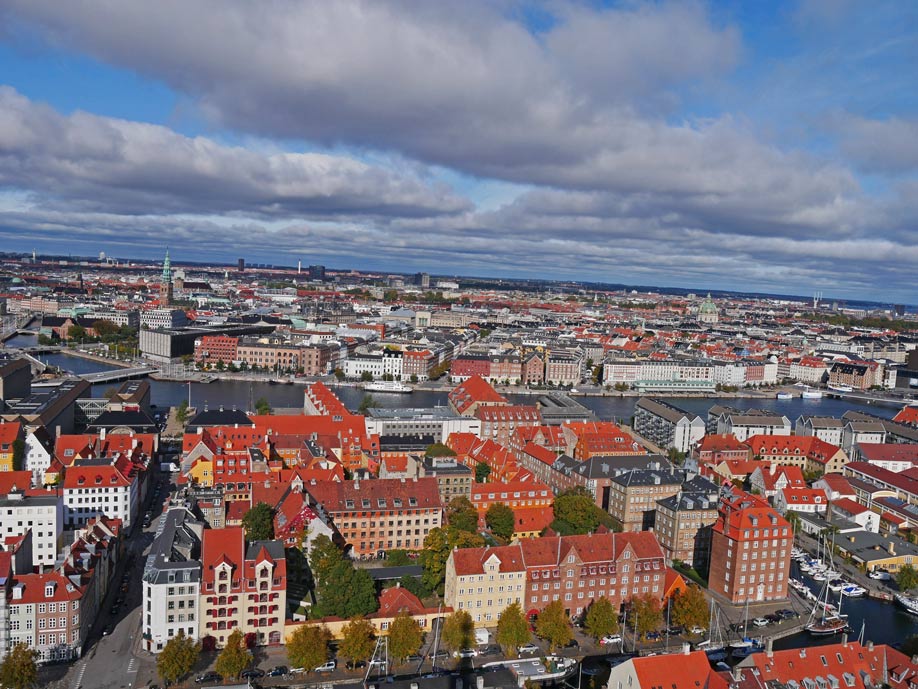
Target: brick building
{"x":379,"y":515}
{"x":499,"y":421}
{"x":242,"y":587}
{"x":683,"y":526}
{"x":750,"y":550}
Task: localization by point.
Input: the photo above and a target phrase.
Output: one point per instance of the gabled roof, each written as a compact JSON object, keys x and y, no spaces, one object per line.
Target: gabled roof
{"x":687,"y":671}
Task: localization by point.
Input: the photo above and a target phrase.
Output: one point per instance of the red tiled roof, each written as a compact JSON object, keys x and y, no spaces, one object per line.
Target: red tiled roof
{"x":687,"y":671}
{"x":543,"y":454}
{"x":850,"y":506}
{"x":15,"y":480}
{"x":9,"y":432}
{"x":475,"y":389}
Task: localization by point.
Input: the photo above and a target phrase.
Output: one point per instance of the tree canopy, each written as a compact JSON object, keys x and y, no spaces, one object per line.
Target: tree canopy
{"x":554,"y":626}
{"x":405,"y":636}
{"x":646,"y":613}
{"x":263,"y":407}
{"x":19,"y":670}
{"x":259,"y":523}
{"x":907,"y":578}
{"x":308,"y":646}
{"x":500,"y":520}
{"x":458,"y":631}
{"x":357,"y":642}
{"x":601,"y":618}
{"x":341,"y":590}
{"x":512,"y":629}
{"x":690,"y":608}
{"x":439,"y":450}
{"x":482,"y":471}
{"x":576,"y":513}
{"x":461,"y":514}
{"x":235,"y":657}
{"x":437,"y":546}
{"x":177,"y":658}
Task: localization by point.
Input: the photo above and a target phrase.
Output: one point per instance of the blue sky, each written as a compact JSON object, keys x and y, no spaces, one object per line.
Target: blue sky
{"x":720,"y":145}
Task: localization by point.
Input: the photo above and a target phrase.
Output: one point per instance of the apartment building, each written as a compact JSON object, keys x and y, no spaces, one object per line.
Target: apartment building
{"x":667,"y":426}
{"x":573,"y":569}
{"x":563,"y":368}
{"x":378,"y":515}
{"x":172,"y":580}
{"x":163,"y":319}
{"x":46,"y":613}
{"x":856,"y":432}
{"x":809,"y":453}
{"x":498,"y":422}
{"x":102,"y":486}
{"x":750,"y":551}
{"x":634,"y":494}
{"x":744,"y":425}
{"x":42,"y":514}
{"x":531,"y":502}
{"x":454,"y":480}
{"x":684,"y":524}
{"x":827,"y":428}
{"x":242,"y":587}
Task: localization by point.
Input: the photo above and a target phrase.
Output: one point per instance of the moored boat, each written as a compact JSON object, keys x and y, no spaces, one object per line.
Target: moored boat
{"x":909,"y":603}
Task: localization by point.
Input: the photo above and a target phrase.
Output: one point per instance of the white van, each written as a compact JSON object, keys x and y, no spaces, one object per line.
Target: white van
{"x":482,"y":636}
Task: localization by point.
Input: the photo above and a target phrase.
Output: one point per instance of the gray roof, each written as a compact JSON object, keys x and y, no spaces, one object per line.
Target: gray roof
{"x":275,"y":549}
{"x":177,"y":547}
{"x":650,"y":477}
{"x":606,"y":466}
{"x":664,"y":409}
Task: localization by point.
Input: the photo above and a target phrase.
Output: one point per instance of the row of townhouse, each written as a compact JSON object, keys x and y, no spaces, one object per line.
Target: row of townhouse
{"x":207,"y":583}
{"x":555,"y":366}
{"x":535,"y":572}
{"x":268,"y":352}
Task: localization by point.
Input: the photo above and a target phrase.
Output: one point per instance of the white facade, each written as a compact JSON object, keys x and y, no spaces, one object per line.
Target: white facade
{"x":44,"y":515}
{"x":389,"y":363}
{"x":85,"y":500}
{"x":744,"y":427}
{"x":37,"y":458}
{"x":163,"y":318}
{"x":828,"y":430}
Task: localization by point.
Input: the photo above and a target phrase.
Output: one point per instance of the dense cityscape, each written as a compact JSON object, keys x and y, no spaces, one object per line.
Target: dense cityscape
{"x":493,"y":344}
{"x":285,"y":476}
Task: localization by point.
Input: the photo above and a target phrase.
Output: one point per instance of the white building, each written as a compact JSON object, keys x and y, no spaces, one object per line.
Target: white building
{"x":163,"y":318}
{"x":826,"y":428}
{"x":377,"y":364}
{"x":172,"y":580}
{"x":667,"y":426}
{"x":92,"y":488}
{"x":858,"y":432}
{"x":39,"y":448}
{"x":744,"y":426}
{"x":43,"y":514}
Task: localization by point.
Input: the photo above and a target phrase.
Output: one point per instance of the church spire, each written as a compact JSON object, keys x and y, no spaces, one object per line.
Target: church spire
{"x":165,"y":284}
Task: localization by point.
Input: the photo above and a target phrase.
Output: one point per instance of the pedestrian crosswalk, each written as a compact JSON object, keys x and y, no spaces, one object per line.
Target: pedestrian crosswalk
{"x":78,"y":681}
{"x":132,"y":666}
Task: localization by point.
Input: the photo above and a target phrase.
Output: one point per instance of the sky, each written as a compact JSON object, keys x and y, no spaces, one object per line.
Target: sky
{"x":756,"y":146}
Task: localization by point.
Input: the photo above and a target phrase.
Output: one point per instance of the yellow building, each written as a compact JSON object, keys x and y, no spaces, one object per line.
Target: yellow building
{"x":9,"y":433}
{"x":484,"y":581}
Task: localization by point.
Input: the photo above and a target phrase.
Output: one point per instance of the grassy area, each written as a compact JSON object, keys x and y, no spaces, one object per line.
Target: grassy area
{"x":690,"y":573}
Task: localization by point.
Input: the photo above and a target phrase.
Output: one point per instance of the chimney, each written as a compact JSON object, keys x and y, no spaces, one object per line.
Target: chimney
{"x":102,"y":434}
{"x":769,"y":646}
{"x":686,"y":648}
{"x":869,"y":645}
{"x":737,"y":674}
{"x":479,"y":682}
{"x":803,"y":653}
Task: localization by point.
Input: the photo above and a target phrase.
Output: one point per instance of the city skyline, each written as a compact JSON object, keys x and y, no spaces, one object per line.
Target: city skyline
{"x":693,"y":145}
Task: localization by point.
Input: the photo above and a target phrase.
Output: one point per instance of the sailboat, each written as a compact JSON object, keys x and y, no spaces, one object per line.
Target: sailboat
{"x":745,"y":646}
{"x":714,"y":645}
{"x":823,"y":620}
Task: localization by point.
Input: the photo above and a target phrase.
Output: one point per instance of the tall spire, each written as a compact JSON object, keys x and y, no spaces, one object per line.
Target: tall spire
{"x":167,"y":267}
{"x":165,"y":284}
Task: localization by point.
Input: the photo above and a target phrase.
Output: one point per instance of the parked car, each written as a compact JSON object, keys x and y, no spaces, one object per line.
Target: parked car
{"x":327,"y":666}
{"x":652,"y":636}
{"x":297,"y":670}
{"x":528,"y":648}
{"x":208,"y":677}
{"x":252,"y":673}
{"x":773,"y":618}
{"x":697,"y":630}
{"x":610,"y":639}
{"x":278,"y":671}
{"x":676,"y":630}
{"x":760,"y":622}
{"x":439,"y":655}
{"x":414,"y":658}
{"x":466,"y":653}
{"x":787,"y":613}
{"x":572,"y":644}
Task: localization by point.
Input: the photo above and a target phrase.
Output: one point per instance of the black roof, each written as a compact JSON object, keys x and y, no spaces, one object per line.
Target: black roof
{"x":220,"y":417}
{"x":135,"y":420}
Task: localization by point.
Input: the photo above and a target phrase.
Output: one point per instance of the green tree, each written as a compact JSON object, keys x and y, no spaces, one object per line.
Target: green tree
{"x":322,"y":559}
{"x":19,"y":448}
{"x":690,"y":608}
{"x":646,"y":613}
{"x":45,"y":341}
{"x":461,"y":514}
{"x":512,"y":630}
{"x":366,"y":377}
{"x":577,"y":513}
{"x":235,"y":657}
{"x":368,"y":402}
{"x":601,"y":618}
{"x":415,"y":586}
{"x":458,"y":631}
{"x":907,"y":578}
{"x":19,"y":670}
{"x":357,"y":641}
{"x":345,"y":592}
{"x":438,"y":544}
{"x":482,"y":471}
{"x":439,"y":450}
{"x":308,"y":646}
{"x":500,"y":520}
{"x":263,"y":407}
{"x":793,"y":519}
{"x":397,"y":558}
{"x":554,"y":626}
{"x":339,"y":374}
{"x":77,"y":332}
{"x":259,"y":523}
{"x":177,"y":658}
{"x":390,"y":295}
{"x":405,"y":636}
{"x":181,"y":412}
{"x":105,"y":329}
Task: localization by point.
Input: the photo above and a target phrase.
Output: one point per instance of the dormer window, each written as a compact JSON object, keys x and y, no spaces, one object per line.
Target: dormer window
{"x":49,"y":590}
